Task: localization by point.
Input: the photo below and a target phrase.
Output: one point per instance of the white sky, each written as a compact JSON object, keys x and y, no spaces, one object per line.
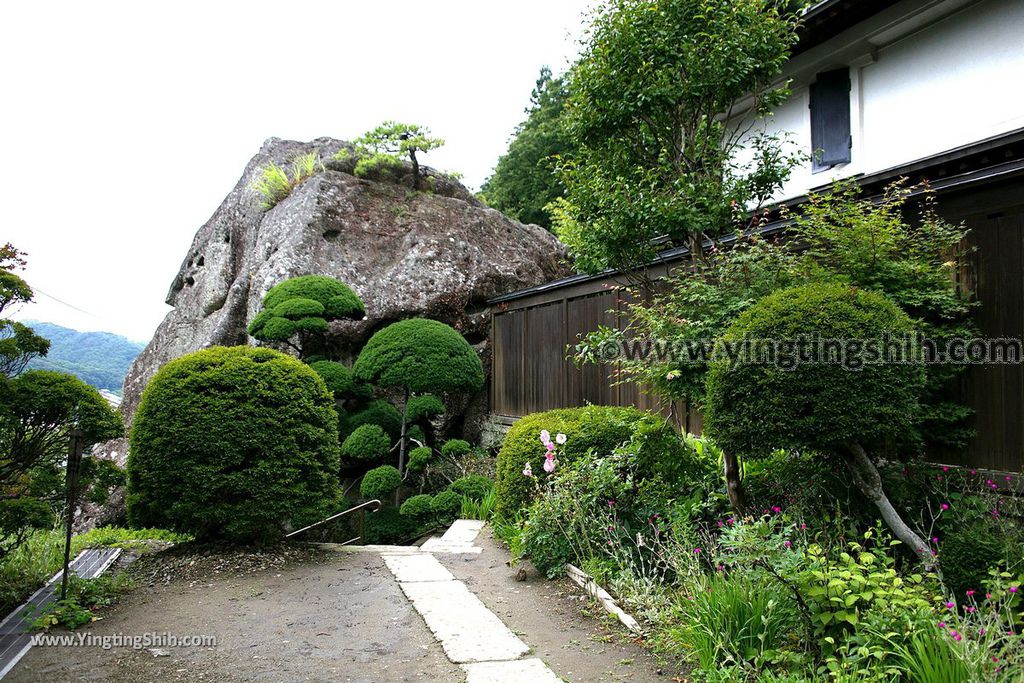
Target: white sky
{"x":126,"y":123}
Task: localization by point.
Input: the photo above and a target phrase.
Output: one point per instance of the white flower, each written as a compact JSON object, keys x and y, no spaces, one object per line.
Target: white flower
{"x":561,"y":438}
{"x":527,"y":470}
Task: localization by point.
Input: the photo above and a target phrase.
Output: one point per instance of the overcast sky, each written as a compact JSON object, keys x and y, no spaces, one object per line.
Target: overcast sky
{"x":126,"y":123}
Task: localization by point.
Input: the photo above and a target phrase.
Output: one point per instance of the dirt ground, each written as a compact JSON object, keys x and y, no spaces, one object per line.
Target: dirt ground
{"x":342,"y":618}
{"x":574,"y":638}
{"x":330,"y":617}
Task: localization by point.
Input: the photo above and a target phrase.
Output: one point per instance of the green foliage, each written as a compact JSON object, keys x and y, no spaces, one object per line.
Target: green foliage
{"x":85,"y":596}
{"x":481,"y":509}
{"x":915,"y":262}
{"x":37,"y":408}
{"x":756,"y":408}
{"x":731,"y":618}
{"x":19,"y":518}
{"x":387,"y":526}
{"x":419,"y":458}
{"x":367,"y":443}
{"x":424,"y":407}
{"x":655,"y":156}
{"x":339,"y":380}
{"x":446,"y":506}
{"x":416,"y":434}
{"x":840,"y":587}
{"x":418,"y":508}
{"x":389,"y":144}
{"x":966,"y":555}
{"x":598,"y":428}
{"x":20,"y":347}
{"x":274,"y":182}
{"x":455,"y":448}
{"x":303,"y":306}
{"x":421,"y":356}
{"x":524,"y":181}
{"x":236,"y":443}
{"x":472,"y":486}
{"x":380,"y":413}
{"x":380,"y":482}
{"x":99,"y":359}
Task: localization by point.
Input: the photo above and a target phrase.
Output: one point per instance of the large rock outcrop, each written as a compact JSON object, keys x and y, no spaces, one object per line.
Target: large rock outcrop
{"x":440,"y":254}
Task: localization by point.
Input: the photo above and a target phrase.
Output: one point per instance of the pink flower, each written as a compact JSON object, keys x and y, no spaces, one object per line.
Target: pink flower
{"x":970,"y":593}
{"x":1013,"y":589}
{"x":944,"y":506}
{"x":611,"y":503}
{"x":549,"y":465}
{"x":950,"y":605}
{"x":527,"y":470}
{"x":945,"y":469}
{"x":776,"y":509}
{"x":545,"y":437}
{"x":957,"y":637}
{"x":942,"y":624}
{"x":696,"y":551}
{"x":803,"y":526}
{"x":788,"y":544}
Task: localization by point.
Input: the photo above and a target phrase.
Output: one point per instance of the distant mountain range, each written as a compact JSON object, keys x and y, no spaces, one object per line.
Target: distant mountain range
{"x":98,"y":358}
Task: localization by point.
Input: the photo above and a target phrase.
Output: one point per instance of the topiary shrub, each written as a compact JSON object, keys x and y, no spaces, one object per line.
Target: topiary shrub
{"x":386,"y":526}
{"x":455,"y":448}
{"x":419,"y":356}
{"x":474,"y":486}
{"x":380,"y":482}
{"x":419,"y":458}
{"x":418,"y":508}
{"x":304,"y":304}
{"x":367,"y":443}
{"x":380,"y":413}
{"x":424,"y":407}
{"x":756,"y":408}
{"x":446,"y":507}
{"x":601,"y":428}
{"x":340,"y":380}
{"x":236,"y":443}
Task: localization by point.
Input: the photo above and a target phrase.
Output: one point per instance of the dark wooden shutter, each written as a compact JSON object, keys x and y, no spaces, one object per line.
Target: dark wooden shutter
{"x":830,"y":118}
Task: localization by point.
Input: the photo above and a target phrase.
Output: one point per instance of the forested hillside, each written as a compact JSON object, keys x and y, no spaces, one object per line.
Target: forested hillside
{"x":97,"y":358}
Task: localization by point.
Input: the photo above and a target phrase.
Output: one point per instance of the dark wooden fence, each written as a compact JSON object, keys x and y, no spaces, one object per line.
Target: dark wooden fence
{"x":531,"y":331}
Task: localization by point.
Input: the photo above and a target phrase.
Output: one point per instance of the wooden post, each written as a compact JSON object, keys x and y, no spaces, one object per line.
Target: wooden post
{"x":71,"y":484}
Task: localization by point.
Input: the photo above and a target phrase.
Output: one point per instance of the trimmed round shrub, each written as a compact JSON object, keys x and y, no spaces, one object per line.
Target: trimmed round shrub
{"x":421,"y":356}
{"x":237,"y":443}
{"x":368,"y":443}
{"x":304,"y":303}
{"x":601,"y":428}
{"x":754,"y":409}
{"x":455,"y":448}
{"x":419,"y":458}
{"x":340,"y":380}
{"x":446,"y":507}
{"x":418,"y":508}
{"x":387,"y":526}
{"x":380,"y":482}
{"x":424,"y":407}
{"x":380,"y":413}
{"x":474,"y":486}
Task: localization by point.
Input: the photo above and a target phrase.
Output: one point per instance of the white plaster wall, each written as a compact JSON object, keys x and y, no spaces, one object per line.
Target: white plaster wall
{"x":949,"y":84}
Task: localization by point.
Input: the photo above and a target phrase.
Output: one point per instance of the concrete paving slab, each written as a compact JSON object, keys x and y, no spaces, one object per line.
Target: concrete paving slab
{"x":413,"y":568}
{"x":463,"y":531}
{"x":439,"y":545}
{"x":521,"y":671}
{"x":466,"y":629}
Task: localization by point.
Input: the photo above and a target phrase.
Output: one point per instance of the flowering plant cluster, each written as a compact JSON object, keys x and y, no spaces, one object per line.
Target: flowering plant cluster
{"x":550,"y":455}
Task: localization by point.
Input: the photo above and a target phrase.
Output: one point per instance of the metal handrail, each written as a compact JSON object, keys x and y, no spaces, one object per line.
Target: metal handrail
{"x":375,"y":504}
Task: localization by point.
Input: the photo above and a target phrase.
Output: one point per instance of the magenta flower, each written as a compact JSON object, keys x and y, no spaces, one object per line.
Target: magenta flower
{"x":1013,"y":589}
{"x":944,"y":506}
{"x":970,"y":592}
{"x":788,"y":544}
{"x":696,"y":551}
{"x":611,"y":503}
{"x":950,"y":605}
{"x":942,"y":624}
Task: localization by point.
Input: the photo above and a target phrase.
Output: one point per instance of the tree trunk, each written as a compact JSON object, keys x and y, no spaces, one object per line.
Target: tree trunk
{"x":733,"y":483}
{"x":415,"y":170}
{"x":865,"y":476}
{"x":401,"y":441}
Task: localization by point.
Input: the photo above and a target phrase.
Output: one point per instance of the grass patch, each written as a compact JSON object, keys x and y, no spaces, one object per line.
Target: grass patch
{"x":275,"y":182}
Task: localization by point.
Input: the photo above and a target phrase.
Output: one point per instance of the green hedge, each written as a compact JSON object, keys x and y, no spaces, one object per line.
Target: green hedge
{"x":367,"y":443}
{"x":236,"y":443}
{"x":380,"y":482}
{"x":601,"y":428}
